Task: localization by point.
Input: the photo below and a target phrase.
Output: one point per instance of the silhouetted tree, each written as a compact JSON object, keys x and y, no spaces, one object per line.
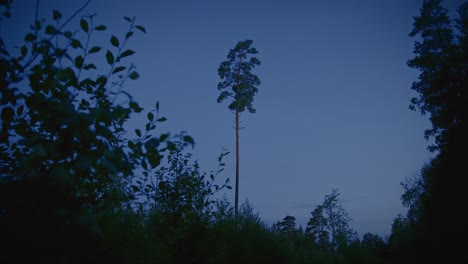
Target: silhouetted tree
{"x":236,"y":75}
{"x":288,"y":228}
{"x":248,"y":215}
{"x":442,"y":56}
{"x":372,"y":243}
{"x":417,"y":190}
{"x":337,"y":221}
{"x":438,"y":86}
{"x":317,"y":229}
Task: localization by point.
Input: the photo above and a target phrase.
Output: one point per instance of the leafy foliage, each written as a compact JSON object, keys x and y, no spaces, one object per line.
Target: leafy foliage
{"x":66,"y":159}
{"x":71,"y":172}
{"x":179,"y":189}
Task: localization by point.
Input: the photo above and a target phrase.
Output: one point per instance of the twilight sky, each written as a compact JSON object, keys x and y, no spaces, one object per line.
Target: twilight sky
{"x":332,"y":109}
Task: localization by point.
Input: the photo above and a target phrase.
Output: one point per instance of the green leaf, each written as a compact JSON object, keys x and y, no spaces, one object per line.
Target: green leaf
{"x":118,"y":69}
{"x":134,"y":106}
{"x":76,"y":43}
{"x":100,"y":28}
{"x":30,"y":37}
{"x":84,"y":25}
{"x":50,"y":30}
{"x":189,"y":139}
{"x":114,"y":41}
{"x":157,"y":106}
{"x":154,"y":160}
{"x":89,"y":66}
{"x":37,"y":25}
{"x":134,"y":75}
{"x":228,"y":187}
{"x":171,"y":146}
{"x":24,"y":51}
{"x":129,"y":34}
{"x":79,"y":62}
{"x":56,"y":15}
{"x":141,"y":28}
{"x":94,"y":50}
{"x":68,"y":34}
{"x":128,"y":19}
{"x":60,"y":52}
{"x":163,"y":137}
{"x":109,"y":57}
{"x":138,"y":132}
{"x":126,"y":53}
{"x":150,"y":116}
{"x":19,"y":110}
{"x":162,"y":119}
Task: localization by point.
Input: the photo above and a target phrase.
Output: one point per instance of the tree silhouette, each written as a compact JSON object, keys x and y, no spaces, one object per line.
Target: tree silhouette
{"x":317,"y":228}
{"x":435,"y":57}
{"x":337,"y":220}
{"x":67,"y":162}
{"x":328,"y":226}
{"x":288,"y":228}
{"x":236,"y":75}
{"x":441,"y":56}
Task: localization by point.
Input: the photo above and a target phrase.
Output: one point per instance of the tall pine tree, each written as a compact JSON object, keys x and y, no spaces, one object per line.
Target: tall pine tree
{"x":441,"y":57}
{"x":240,"y":85}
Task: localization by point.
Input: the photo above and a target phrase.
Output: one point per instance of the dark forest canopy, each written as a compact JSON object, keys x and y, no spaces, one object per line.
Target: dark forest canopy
{"x":72,"y":173}
{"x":441,"y":56}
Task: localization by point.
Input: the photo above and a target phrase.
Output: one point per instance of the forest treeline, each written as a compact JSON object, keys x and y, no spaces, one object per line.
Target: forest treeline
{"x":77,"y":187}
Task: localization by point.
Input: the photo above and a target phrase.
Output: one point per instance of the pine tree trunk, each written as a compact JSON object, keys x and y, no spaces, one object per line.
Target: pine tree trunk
{"x":237,"y":167}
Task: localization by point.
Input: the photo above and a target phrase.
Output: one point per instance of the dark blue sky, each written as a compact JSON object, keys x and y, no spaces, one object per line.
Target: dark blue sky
{"x":332,"y":109}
